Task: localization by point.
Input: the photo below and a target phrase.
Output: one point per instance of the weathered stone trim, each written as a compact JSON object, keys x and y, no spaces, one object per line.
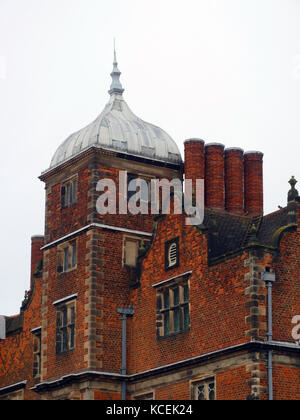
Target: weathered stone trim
{"x":44,"y":338}
{"x":93,"y":295}
{"x":256,"y":304}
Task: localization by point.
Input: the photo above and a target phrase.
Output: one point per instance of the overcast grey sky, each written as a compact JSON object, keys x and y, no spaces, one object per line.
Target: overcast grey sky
{"x":221,"y":70}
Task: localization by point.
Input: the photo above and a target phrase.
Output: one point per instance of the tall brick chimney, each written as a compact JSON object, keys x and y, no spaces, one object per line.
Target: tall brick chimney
{"x":234,"y":180}
{"x":253,"y":166}
{"x":214,"y":176}
{"x":194,"y":165}
{"x":37,"y":242}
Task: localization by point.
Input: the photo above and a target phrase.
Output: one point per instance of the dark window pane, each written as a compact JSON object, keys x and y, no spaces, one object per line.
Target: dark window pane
{"x":74,"y":251}
{"x":73,"y":315}
{"x":186,"y":293}
{"x":72,"y":336}
{"x":65,"y":317}
{"x":58,"y":341}
{"x":166,"y":323}
{"x":186,"y":318}
{"x":166,"y":300}
{"x":65,"y":338}
{"x":176,"y":315}
{"x":176,"y":296}
{"x":201,"y":392}
{"x":69,"y":194}
{"x":63,"y":196}
{"x":211,"y":391}
{"x":132,"y":185}
{"x":66,"y":259}
{"x":58,"y":319}
{"x":74,"y":198}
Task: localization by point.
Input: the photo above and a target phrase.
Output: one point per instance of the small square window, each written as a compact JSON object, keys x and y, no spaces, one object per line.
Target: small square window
{"x":204,"y":390}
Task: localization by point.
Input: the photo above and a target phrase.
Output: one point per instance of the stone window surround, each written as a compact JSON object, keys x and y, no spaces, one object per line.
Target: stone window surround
{"x":205,"y":380}
{"x":37,"y":354}
{"x":70,"y":181}
{"x":67,"y":303}
{"x":61,"y":256}
{"x":168,"y":286}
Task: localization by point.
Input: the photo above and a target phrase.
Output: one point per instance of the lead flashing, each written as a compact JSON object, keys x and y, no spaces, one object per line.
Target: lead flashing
{"x":65,"y":300}
{"x":188,"y":273}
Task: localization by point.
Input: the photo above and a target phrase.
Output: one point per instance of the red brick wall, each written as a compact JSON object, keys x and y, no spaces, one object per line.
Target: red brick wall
{"x":231,"y":384}
{"x":106,"y":396}
{"x":286,"y":381}
{"x":178,"y":391}
{"x":59,"y":287}
{"x":286,"y":292}
{"x":60,"y":222}
{"x":217,"y":298}
{"x":16,"y":352}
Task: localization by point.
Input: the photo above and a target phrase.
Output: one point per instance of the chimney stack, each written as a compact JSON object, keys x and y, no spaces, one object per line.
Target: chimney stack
{"x":37,"y":242}
{"x":253,"y":166}
{"x":214,"y":176}
{"x":194,"y":165}
{"x":234,"y":180}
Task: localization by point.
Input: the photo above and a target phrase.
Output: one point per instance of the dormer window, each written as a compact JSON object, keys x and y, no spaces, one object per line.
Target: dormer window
{"x":172,"y":254}
{"x":69,"y":193}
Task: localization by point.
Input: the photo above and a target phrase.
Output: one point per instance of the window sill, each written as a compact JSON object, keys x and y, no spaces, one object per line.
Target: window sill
{"x":64,"y":353}
{"x":173,"y":335}
{"x":68,"y":207}
{"x":68,"y":271}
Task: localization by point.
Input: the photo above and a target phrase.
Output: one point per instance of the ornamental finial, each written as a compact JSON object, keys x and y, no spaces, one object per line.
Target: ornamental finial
{"x":116,"y":86}
{"x":293,"y":193}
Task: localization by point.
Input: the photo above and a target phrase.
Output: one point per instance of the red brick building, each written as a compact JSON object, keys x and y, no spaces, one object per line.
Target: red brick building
{"x":209,"y":309}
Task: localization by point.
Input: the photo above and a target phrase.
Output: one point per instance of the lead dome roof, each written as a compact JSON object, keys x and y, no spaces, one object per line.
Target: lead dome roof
{"x":118,"y":128}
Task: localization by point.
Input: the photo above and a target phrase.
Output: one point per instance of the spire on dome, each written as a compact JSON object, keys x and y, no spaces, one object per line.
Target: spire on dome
{"x":116,"y":86}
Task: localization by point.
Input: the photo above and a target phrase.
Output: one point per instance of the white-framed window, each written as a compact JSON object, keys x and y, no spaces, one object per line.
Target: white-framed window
{"x":69,"y":191}
{"x":67,"y":257}
{"x":204,"y":390}
{"x":37,"y":353}
{"x":173,"y":309}
{"x":65,"y":327}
